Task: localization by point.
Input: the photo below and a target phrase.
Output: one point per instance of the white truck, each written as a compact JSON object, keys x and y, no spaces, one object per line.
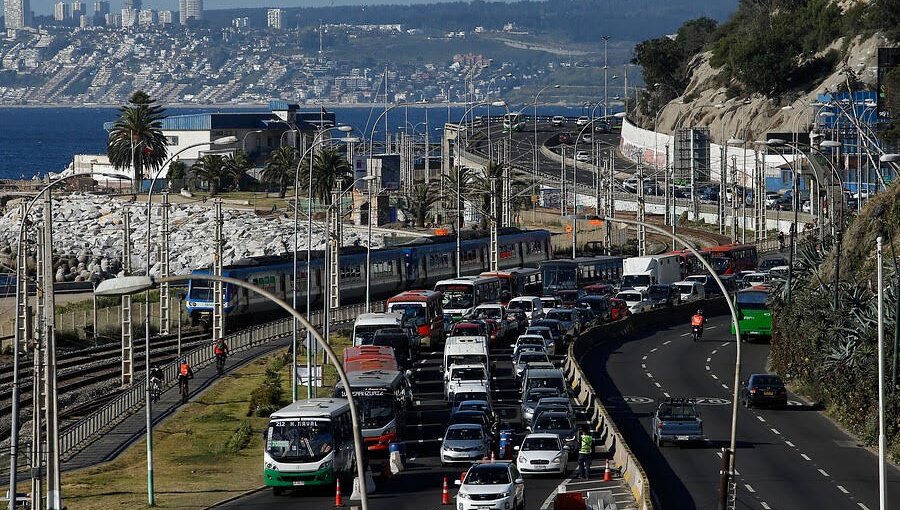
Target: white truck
{"x":640,"y":273}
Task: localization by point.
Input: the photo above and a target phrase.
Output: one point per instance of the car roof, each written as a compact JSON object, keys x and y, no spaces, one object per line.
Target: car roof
{"x":537,"y":328}
{"x":465,"y":426}
{"x":542,"y":435}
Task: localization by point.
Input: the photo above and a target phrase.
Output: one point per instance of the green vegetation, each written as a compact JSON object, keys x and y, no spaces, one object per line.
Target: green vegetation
{"x":828,"y":352}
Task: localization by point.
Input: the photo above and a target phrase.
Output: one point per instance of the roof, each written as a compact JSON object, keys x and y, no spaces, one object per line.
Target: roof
{"x":415,"y":296}
{"x":312,"y":407}
{"x":364,"y":319}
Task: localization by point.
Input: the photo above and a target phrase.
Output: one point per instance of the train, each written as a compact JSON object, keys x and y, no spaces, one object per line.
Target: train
{"x":417,"y":264}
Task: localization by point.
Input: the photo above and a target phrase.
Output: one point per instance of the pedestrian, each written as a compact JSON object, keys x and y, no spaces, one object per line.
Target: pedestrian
{"x":780,"y":241}
{"x":586,"y":448}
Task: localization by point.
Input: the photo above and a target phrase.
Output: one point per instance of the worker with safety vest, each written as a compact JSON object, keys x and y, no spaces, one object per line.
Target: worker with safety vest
{"x":585,"y":450}
{"x":184,"y":372}
{"x":697,"y":322}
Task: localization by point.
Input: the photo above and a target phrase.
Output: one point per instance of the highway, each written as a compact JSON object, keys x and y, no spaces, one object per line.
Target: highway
{"x":786,"y":459}
{"x":419,"y":486}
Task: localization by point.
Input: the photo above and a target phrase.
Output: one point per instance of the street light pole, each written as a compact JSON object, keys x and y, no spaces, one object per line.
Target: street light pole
{"x":882,"y":475}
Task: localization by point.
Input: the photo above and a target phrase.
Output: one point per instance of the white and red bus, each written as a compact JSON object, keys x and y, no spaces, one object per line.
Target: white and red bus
{"x":383,"y":398}
{"x":422,"y":309}
{"x":519,"y":281}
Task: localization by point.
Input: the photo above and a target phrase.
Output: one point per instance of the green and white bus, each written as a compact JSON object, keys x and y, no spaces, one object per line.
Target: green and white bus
{"x":754,"y":313}
{"x":309,"y":443}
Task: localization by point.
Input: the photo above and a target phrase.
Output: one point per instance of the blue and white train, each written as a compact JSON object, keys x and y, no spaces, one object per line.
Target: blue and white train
{"x":411,"y":266}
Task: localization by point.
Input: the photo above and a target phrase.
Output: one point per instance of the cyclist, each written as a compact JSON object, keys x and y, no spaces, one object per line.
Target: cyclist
{"x":156,"y":380}
{"x":184,"y":375}
{"x":697,"y":322}
{"x":221,"y":351}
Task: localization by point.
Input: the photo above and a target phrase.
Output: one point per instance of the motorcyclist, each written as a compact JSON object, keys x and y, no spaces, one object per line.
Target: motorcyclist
{"x":697,"y":323}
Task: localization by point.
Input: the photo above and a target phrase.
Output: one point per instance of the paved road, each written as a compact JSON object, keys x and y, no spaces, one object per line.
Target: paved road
{"x":419,"y":487}
{"x":786,"y":459}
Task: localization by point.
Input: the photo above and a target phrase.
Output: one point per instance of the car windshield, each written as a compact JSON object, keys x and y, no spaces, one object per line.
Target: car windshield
{"x":721,"y":264}
{"x":473,"y":406}
{"x":464,"y":359}
{"x":299,"y":440}
{"x":536,"y":396}
{"x":560,"y":315}
{"x":362,"y":335}
{"x":555,"y":383}
{"x":553,"y":422}
{"x":413,"y":313}
{"x":488,"y":313}
{"x":685,"y":288}
{"x":540,"y":444}
{"x":677,"y":411}
{"x":468,"y":373}
{"x":464,"y":434}
{"x":523,"y":305}
{"x":466,"y":330}
{"x":532,"y":357}
{"x":636,"y":280}
{"x":488,"y":475}
{"x":629,"y":297}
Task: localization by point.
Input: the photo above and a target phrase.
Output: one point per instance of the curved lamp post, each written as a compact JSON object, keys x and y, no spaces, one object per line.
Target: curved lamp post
{"x":132,"y":284}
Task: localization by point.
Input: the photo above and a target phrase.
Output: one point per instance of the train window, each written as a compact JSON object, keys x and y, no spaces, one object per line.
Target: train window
{"x":438,"y":260}
{"x":383,"y":268}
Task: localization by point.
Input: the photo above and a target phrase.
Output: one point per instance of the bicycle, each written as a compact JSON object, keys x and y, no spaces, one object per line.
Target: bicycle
{"x":155,"y":389}
{"x":183,"y":387}
{"x":220,"y":363}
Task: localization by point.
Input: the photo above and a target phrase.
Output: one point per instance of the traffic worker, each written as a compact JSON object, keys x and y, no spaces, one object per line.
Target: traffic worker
{"x":586,"y":448}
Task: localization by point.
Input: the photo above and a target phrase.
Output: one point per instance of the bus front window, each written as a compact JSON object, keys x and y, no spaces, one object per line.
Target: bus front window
{"x":412,"y":313}
{"x":721,"y":264}
{"x":457,"y":297}
{"x":559,"y":279}
{"x":376,"y":411}
{"x":299,"y":441}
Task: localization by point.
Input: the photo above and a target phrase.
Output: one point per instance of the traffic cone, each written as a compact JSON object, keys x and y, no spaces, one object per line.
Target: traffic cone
{"x":338,"y":501}
{"x":492,"y":456}
{"x":462,"y":477}
{"x":607,"y":474}
{"x":445,"y":493}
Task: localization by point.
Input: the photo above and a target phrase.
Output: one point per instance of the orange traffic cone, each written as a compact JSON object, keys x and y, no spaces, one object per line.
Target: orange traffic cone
{"x":462,"y":477}
{"x":445,"y":493}
{"x":338,"y":501}
{"x":607,"y":474}
{"x":492,"y":456}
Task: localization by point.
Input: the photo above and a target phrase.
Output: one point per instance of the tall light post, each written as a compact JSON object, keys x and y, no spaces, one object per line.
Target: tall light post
{"x":148,"y":405}
{"x":536,"y":158}
{"x":882,"y":474}
{"x":244,"y":139}
{"x":132,"y":284}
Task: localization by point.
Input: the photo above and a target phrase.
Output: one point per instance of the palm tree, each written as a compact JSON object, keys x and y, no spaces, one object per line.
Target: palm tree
{"x":136,"y":139}
{"x":459,"y":178}
{"x":236,"y":166}
{"x":418,"y":200}
{"x":481,"y":184}
{"x":210,"y":168}
{"x":280,"y":168}
{"x":329,"y":168}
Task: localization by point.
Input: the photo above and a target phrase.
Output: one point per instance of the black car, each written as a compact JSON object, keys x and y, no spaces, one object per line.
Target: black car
{"x":769,"y":263}
{"x":599,"y":305}
{"x":488,"y":423}
{"x":664,"y":295}
{"x":584,"y":317}
{"x":764,"y":390}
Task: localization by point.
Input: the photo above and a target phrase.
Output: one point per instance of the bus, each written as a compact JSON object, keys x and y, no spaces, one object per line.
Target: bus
{"x":309,"y":443}
{"x":513,"y":121}
{"x":369,"y":357}
{"x":753,"y":311}
{"x":382,"y":398}
{"x":461,"y":295}
{"x":423,"y":309}
{"x":689,"y":263}
{"x":520,"y":281}
{"x":733,"y":258}
{"x":574,"y":274}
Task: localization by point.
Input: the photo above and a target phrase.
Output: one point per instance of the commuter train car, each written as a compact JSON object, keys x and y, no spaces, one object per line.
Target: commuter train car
{"x":404,"y":267}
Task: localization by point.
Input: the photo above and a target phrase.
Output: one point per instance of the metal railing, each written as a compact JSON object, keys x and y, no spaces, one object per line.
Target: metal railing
{"x":82,"y":433}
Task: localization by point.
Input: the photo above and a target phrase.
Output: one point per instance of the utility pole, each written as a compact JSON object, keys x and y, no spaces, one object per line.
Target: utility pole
{"x":562,"y":182}
{"x":641,"y":212}
{"x":20,"y":341}
{"x":606,"y":77}
{"x":492,"y":218}
{"x":667,"y":214}
{"x":127,"y":337}
{"x":723,"y":172}
{"x":734,"y":199}
{"x":164,"y":318}
{"x":38,"y":403}
{"x":611,"y":202}
{"x":507,"y":171}
{"x":54,"y":497}
{"x":218,"y":324}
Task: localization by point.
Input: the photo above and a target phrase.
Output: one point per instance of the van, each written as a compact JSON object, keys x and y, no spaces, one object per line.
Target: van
{"x":531,"y":306}
{"x":464,"y":350}
{"x":690,"y":291}
{"x":422,"y":310}
{"x":367,"y":324}
{"x":543,"y":378}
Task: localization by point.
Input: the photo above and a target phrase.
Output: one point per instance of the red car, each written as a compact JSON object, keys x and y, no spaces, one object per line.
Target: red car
{"x":618,"y":309}
{"x":599,"y":289}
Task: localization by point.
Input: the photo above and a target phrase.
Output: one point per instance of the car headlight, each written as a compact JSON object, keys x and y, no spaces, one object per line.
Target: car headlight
{"x":557,"y":459}
{"x":522,"y":459}
{"x":463,"y":495}
{"x":504,"y":494}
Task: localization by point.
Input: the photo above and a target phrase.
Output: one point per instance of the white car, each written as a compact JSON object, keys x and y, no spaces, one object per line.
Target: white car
{"x":461,"y":375}
{"x":583,"y":156}
{"x":637,"y":301}
{"x":542,"y":453}
{"x":531,"y":306}
{"x":491,"y":485}
{"x":690,"y":291}
{"x":753,"y":279}
{"x":558,"y":120}
{"x":583,"y":121}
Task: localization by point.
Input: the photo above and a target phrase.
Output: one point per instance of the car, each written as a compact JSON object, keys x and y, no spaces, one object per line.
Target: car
{"x":806,"y":207}
{"x":709,"y":195}
{"x":532,"y":398}
{"x":599,"y":289}
{"x":567,"y":297}
{"x":663,"y":295}
{"x":598,"y":305}
{"x":468,"y":392}
{"x":500,"y":323}
{"x":401,"y":341}
{"x":602,"y":126}
{"x":533,"y":341}
{"x":560,"y":404}
{"x":567,"y":321}
{"x":542,"y":453}
{"x":548,"y":302}
{"x":709,"y":283}
{"x":637,"y":301}
{"x":481,"y":418}
{"x":556,"y":422}
{"x":491,"y":485}
{"x":771,"y":262}
{"x":587,"y":138}
{"x":783,"y":204}
{"x":762,"y":390}
{"x":771,"y":198}
{"x":583,"y":121}
{"x":466,"y":443}
{"x":558,"y":120}
{"x":545,"y":333}
{"x":677,"y":420}
{"x":618,"y":309}
{"x":557,"y":329}
{"x":476,"y":405}
{"x":565,"y":138}
{"x":470,"y":328}
{"x":531,"y":306}
{"x":739,"y":278}
{"x":459,"y":375}
{"x":754,"y":279}
{"x":690,"y":291}
{"x":584,"y":319}
{"x":527,"y":359}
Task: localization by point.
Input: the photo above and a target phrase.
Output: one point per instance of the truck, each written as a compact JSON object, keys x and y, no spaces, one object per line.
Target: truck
{"x":677,"y":420}
{"x":640,"y":273}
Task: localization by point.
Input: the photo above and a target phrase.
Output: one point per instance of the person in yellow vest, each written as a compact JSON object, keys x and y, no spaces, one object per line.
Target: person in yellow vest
{"x":585,"y":450}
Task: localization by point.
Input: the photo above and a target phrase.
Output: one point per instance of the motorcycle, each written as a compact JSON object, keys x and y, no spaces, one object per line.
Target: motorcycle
{"x":696,"y":332}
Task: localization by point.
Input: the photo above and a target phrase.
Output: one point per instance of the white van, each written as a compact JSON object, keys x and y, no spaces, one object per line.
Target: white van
{"x":690,"y":291}
{"x":462,"y":350}
{"x":459,"y":375}
{"x":367,"y":324}
{"x":530,"y":305}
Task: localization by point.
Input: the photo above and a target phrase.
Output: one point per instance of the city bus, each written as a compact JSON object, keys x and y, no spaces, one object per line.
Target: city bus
{"x":733,"y":258}
{"x":513,"y":121}
{"x":520,"y":281}
{"x":423,"y":309}
{"x":382,"y":398}
{"x":689,"y":263}
{"x":753,"y":311}
{"x":461,"y":295}
{"x":309,"y":443}
{"x":574,"y":274}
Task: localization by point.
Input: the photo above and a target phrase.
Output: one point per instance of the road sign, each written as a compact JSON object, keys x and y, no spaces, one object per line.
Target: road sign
{"x":303,"y":375}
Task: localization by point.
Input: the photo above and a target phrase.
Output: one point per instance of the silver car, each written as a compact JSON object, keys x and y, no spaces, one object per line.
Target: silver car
{"x":559,"y":423}
{"x":526,"y":357}
{"x":464,"y":443}
{"x":531,"y":400}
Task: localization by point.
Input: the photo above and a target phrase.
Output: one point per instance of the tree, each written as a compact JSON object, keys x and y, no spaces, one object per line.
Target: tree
{"x":177,"y":170}
{"x":136,"y":139}
{"x":481,"y":184}
{"x":329,"y":169}
{"x":210,"y":168}
{"x":459,"y":178}
{"x":280,"y":168}
{"x":236,"y":166}
{"x":418,"y":200}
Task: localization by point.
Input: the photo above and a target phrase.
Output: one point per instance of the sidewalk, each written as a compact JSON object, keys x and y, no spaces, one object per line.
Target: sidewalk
{"x":131,"y":429}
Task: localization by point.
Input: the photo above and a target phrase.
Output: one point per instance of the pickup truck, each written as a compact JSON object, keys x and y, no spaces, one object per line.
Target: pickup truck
{"x":677,"y":420}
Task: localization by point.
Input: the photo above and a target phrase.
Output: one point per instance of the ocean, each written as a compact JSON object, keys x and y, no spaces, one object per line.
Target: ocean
{"x":38,"y":140}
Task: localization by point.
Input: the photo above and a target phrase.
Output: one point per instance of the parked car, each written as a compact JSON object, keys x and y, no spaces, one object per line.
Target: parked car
{"x":491,"y":485}
{"x":558,"y":120}
{"x":677,"y":420}
{"x":464,"y":442}
{"x":763,"y":389}
{"x":542,"y":453}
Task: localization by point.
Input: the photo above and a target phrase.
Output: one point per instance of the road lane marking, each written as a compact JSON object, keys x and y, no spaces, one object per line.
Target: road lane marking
{"x":864,"y":507}
{"x":657,"y":384}
{"x":666,"y":394}
{"x":776,"y":432}
{"x":725,"y":386}
{"x":707,"y":367}
{"x":805,"y":456}
{"x":654,"y":349}
{"x":765,"y":506}
{"x":749,"y":489}
{"x":708,"y":360}
{"x":714,"y":376}
{"x":823,"y":472}
{"x":667,"y":342}
{"x":644,"y":358}
{"x":725,"y":344}
{"x":649,"y":375}
{"x":549,"y":501}
{"x":714,"y":351}
{"x":842,"y":489}
{"x":643,"y":365}
{"x":760,"y":418}
{"x":790,"y":444}
{"x":686,"y":334}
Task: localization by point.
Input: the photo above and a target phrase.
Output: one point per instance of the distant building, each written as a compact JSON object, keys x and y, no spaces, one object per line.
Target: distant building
{"x":17,"y":13}
{"x":242,"y":22}
{"x":85,"y":21}
{"x":132,"y":4}
{"x":190,"y":10}
{"x":61,"y":11}
{"x":147,"y":17}
{"x":276,"y":19}
{"x":101,"y":8}
{"x":165,"y":17}
{"x":129,"y":17}
{"x":113,"y":19}
{"x":78,"y":8}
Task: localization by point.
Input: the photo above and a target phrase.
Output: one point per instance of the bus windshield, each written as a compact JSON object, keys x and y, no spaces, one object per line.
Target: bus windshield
{"x":488,"y":313}
{"x":721,"y":264}
{"x":752,"y":300}
{"x":559,"y":278}
{"x":457,"y":296}
{"x":363,"y":335}
{"x":413,"y":313}
{"x":299,"y":440}
{"x":376,"y":411}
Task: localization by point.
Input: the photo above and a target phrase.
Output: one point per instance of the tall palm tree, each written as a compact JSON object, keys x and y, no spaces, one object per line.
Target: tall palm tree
{"x":136,"y":139}
{"x":481,"y":186}
{"x":459,"y":178}
{"x":210,"y":168}
{"x":236,"y":166}
{"x":329,"y":168}
{"x":280,"y":168}
{"x":418,"y":200}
